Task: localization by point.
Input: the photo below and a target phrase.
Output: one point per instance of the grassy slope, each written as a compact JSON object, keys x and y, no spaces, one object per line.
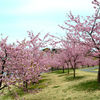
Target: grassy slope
{"x":63,"y":87}
{"x":96,"y":69}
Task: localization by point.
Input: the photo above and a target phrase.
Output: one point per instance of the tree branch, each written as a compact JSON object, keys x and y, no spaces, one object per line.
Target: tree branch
{"x":3,"y":87}
{"x":94,"y":21}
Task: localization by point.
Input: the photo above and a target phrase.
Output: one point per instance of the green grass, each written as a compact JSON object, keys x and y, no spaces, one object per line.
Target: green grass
{"x":61,"y":71}
{"x":61,"y":86}
{"x":96,"y":69}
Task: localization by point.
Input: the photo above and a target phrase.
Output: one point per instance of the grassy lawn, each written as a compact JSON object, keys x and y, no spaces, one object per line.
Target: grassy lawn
{"x":61,"y":86}
{"x":96,"y":69}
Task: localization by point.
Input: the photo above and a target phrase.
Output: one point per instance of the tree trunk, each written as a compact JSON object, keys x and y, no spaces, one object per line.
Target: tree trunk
{"x":63,"y":69}
{"x":74,"y":72}
{"x":68,"y":69}
{"x":3,"y":65}
{"x":25,"y":84}
{"x":58,"y":68}
{"x":52,"y":68}
{"x":0,"y":83}
{"x":2,"y":73}
{"x":98,"y":78}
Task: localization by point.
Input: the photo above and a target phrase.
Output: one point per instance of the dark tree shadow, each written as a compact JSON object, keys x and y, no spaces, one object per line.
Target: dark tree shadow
{"x":88,"y":86}
{"x":65,"y":74}
{"x":61,"y":71}
{"x":71,"y":78}
{"x":56,"y":86}
{"x":20,"y":92}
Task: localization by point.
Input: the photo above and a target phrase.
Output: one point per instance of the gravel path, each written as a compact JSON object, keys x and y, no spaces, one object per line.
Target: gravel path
{"x":89,"y":69}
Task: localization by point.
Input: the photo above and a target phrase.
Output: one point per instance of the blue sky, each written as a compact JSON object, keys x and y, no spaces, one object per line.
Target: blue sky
{"x":19,"y":16}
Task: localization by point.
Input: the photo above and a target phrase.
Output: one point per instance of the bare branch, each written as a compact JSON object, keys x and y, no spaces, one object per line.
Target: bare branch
{"x":95,"y":21}
{"x":3,"y":87}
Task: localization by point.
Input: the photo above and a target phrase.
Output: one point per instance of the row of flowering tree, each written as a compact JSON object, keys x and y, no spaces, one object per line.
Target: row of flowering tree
{"x":82,"y":41}
{"x":85,"y":32}
{"x":73,"y":54}
{"x":21,"y":64}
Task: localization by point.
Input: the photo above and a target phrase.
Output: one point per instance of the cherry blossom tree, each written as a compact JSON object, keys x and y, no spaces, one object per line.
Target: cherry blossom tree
{"x":63,"y":59}
{"x":86,"y":32}
{"x":22,"y":63}
{"x":89,"y":61}
{"x":72,"y":53}
{"x":76,"y":54}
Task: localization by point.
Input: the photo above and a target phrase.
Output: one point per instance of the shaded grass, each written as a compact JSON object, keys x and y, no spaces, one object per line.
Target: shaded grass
{"x":61,"y":86}
{"x":56,"y":86}
{"x":39,"y":85}
{"x":61,"y":71}
{"x":64,"y":74}
{"x":89,"y":86}
{"x":71,"y":78}
{"x":20,"y":92}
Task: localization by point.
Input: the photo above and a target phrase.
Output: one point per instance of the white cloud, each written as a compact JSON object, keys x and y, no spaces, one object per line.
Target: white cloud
{"x":42,"y":6}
